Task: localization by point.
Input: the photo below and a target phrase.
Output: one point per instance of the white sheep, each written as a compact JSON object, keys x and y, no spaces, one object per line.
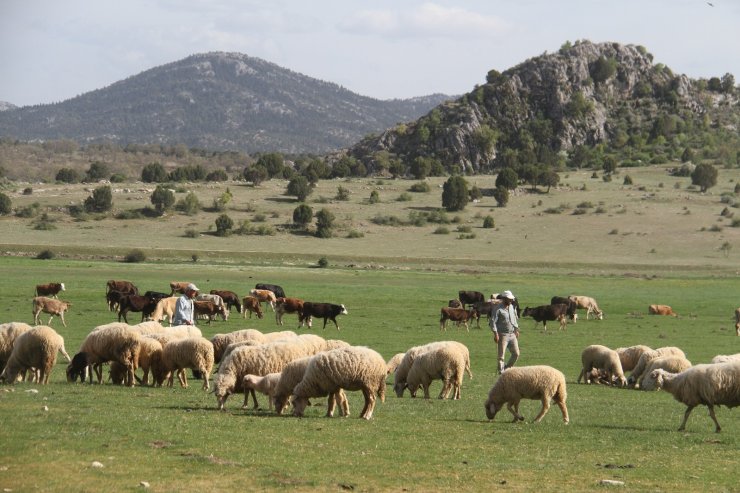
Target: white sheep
{"x":259,"y":341}
{"x":672,"y":364}
{"x":629,"y":356}
{"x":8,"y":333}
{"x":221,"y":341}
{"x":446,"y":363}
{"x":399,"y":381}
{"x":264,"y":384}
{"x":349,"y":368}
{"x":528,"y":382}
{"x":291,"y":376}
{"x":710,"y":385}
{"x":602,"y":358}
{"x":393,"y":363}
{"x":150,"y":346}
{"x":648,"y":356}
{"x":726,"y":358}
{"x":109,"y":342}
{"x":36,"y":349}
{"x":192,"y":352}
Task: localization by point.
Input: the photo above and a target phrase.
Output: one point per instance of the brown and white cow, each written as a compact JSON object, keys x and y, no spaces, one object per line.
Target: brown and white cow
{"x":661,"y":310}
{"x":589,"y":304}
{"x":210,"y":310}
{"x":230,"y":298}
{"x":50,"y":290}
{"x":264,"y":296}
{"x":252,"y":305}
{"x":288,"y":305}
{"x":457,"y":315}
{"x":178,"y":287}
{"x":50,"y":306}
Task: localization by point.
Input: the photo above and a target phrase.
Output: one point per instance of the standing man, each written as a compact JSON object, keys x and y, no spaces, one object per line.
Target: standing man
{"x":505,"y":327}
{"x":185,"y":308}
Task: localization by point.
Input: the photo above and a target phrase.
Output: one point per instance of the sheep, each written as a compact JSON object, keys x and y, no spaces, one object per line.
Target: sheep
{"x":603,"y":358}
{"x":265,"y":385}
{"x":37,"y":349}
{"x":673,"y":364}
{"x":528,"y":382}
{"x":725,"y":358}
{"x":256,"y":342}
{"x":629,"y":356}
{"x":192,"y":352}
{"x":110,"y":342}
{"x":221,"y":341}
{"x":399,"y":384}
{"x":51,"y":306}
{"x":149,"y":348}
{"x":446,"y":363}
{"x":648,"y":356}
{"x":8,"y":333}
{"x":350,"y":368}
{"x":291,"y":376}
{"x":393,"y":363}
{"x":711,"y":385}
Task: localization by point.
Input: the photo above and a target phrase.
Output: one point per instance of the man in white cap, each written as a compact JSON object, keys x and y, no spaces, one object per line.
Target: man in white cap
{"x":185,"y":308}
{"x":505,"y":327}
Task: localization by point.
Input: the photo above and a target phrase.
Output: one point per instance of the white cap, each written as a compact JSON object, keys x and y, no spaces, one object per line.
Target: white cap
{"x":508,"y":294}
{"x":192,"y":287}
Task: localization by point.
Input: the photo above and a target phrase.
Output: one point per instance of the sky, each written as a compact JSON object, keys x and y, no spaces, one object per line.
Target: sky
{"x":53,"y":50}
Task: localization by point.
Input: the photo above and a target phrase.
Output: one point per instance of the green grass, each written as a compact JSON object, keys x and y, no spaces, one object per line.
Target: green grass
{"x":175,"y":439}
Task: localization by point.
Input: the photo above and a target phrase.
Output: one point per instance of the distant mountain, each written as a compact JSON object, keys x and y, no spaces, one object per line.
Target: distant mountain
{"x":218,"y":101}
{"x":5,"y":106}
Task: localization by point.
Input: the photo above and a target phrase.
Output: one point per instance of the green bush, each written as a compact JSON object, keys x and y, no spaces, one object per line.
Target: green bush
{"x":101,"y":200}
{"x":323,"y":263}
{"x":374,"y":197}
{"x":28,"y":191}
{"x":355,"y":234}
{"x":404,"y":197}
{"x":191,"y":233}
{"x":488,"y":222}
{"x":6,"y":205}
{"x":224,"y":224}
{"x":420,"y":187}
{"x":442,"y":230}
{"x":135,"y":256}
{"x":45,"y":255}
{"x":129,"y":214}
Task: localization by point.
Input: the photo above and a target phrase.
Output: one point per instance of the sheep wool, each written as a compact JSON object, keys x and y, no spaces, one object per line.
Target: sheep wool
{"x":291,"y":376}
{"x":726,"y":358}
{"x":150,"y":347}
{"x":192,"y":352}
{"x":601,"y":358}
{"x":350,"y":368}
{"x":263,"y":384}
{"x":710,"y":385}
{"x":399,"y":383}
{"x":8,"y":333}
{"x":36,"y":348}
{"x":629,"y":356}
{"x":672,"y":364}
{"x":446,"y":363}
{"x":221,"y":341}
{"x":528,"y":382}
{"x":648,"y":356}
{"x":111,"y":342}
{"x":394,"y":362}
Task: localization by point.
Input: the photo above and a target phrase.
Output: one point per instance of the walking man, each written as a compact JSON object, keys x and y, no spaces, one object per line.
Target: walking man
{"x":505,"y":327}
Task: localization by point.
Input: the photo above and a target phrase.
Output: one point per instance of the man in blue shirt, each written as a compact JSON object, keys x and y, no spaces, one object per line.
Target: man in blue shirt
{"x":185,"y":308}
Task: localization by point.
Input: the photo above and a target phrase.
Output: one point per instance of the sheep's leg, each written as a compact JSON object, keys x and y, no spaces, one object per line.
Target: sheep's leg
{"x":254,"y":398}
{"x":183,"y":377}
{"x":330,"y":405}
{"x":543,"y":411}
{"x":367,"y":393}
{"x":49,"y":324}
{"x":513,"y":408}
{"x":425,"y":386}
{"x":564,"y":410}
{"x":246,"y":398}
{"x":711,"y":415}
{"x":685,"y":417}
{"x":341,"y":397}
{"x":206,"y":382}
{"x":98,"y":368}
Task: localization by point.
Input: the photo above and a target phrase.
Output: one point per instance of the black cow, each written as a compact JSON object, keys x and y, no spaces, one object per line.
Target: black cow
{"x":544,"y":313}
{"x":572,"y":306}
{"x":484,"y":308}
{"x":136,"y":303}
{"x":230,"y":299}
{"x":156,"y":295}
{"x":327,"y":311}
{"x":279,"y":293}
{"x":470,"y":297}
{"x":113,"y":298}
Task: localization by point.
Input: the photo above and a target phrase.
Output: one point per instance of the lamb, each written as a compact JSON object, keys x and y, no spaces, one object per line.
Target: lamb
{"x":110,"y":342}
{"x":603,"y":358}
{"x":648,"y":356}
{"x":528,"y":382}
{"x":725,"y":358}
{"x":711,"y":385}
{"x":8,"y":334}
{"x":150,"y":347}
{"x":177,"y":355}
{"x":291,"y":376}
{"x":34,"y":349}
{"x":266,"y":385}
{"x":673,"y":364}
{"x":350,"y":368}
{"x":629,"y":356}
{"x":393,"y":363}
{"x":446,"y":363}
{"x":399,"y":384}
{"x":51,"y":306}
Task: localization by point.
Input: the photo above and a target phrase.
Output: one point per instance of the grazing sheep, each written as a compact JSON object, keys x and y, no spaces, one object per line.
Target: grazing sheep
{"x":221,"y":341}
{"x":51,"y":306}
{"x":648,"y":356}
{"x":8,"y":334}
{"x":265,"y":385}
{"x":673,"y":364}
{"x":602,"y":358}
{"x":396,"y":360}
{"x":629,"y":356}
{"x":177,"y":355}
{"x":710,"y":385}
{"x":446,"y":363}
{"x":35,"y":349}
{"x":291,"y":376}
{"x":399,"y":384}
{"x":350,"y":368}
{"x":725,"y":358}
{"x":149,"y":348}
{"x":528,"y":382}
{"x":110,"y":342}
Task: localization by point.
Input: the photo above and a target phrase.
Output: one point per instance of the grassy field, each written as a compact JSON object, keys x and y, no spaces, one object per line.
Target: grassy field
{"x":176,"y":440}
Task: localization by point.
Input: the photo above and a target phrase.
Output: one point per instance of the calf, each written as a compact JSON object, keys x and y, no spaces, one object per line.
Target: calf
{"x":288,"y":305}
{"x":327,"y":311}
{"x":156,"y":295}
{"x":122,"y":286}
{"x":113,"y":298}
{"x":457,"y":315}
{"x":661,"y":310}
{"x":50,"y":306}
{"x":210,"y":297}
{"x":470,"y":297}
{"x":454,"y":304}
{"x":210,"y":309}
{"x":545,"y":313}
{"x":279,"y":293}
{"x":136,"y":303}
{"x":178,"y":287}
{"x":589,"y":304}
{"x":572,"y":306}
{"x":484,"y":308}
{"x":264,"y":295}
{"x":252,"y":305}
{"x":231,"y":299}
{"x":50,"y":290}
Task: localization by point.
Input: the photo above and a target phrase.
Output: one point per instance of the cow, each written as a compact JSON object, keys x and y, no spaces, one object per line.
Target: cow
{"x":210,"y":297}
{"x":288,"y":305}
{"x":210,"y":309}
{"x":113,"y":298}
{"x":327,"y":311}
{"x":252,"y":305}
{"x":454,"y":304}
{"x":545,"y":313}
{"x":156,"y":295}
{"x":231,"y":299}
{"x":50,"y":290}
{"x":122,"y":286}
{"x":178,"y":287}
{"x":589,"y":304}
{"x":572,"y":315}
{"x":136,"y":303}
{"x":264,"y":295}
{"x":279,"y":293}
{"x":165,"y":308}
{"x":50,"y":306}
{"x":470,"y":297}
{"x":484,"y":308}
{"x":515,"y":302}
{"x":661,"y":310}
{"x":457,"y":315}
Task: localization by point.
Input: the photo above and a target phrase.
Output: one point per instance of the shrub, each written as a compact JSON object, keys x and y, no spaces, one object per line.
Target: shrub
{"x":259,"y":218}
{"x":44,"y":223}
{"x":579,"y":211}
{"x":67,"y":175}
{"x":488,"y":222}
{"x":153,"y":173}
{"x":27,"y":191}
{"x":190,"y":205}
{"x":374,"y":197}
{"x":6,"y":205}
{"x":387,"y":221}
{"x":191,"y":233}
{"x":342,"y":193}
{"x":29,"y":210}
{"x":117,"y":178}
{"x":224,"y":224}
{"x":585,"y":205}
{"x":135,"y":256}
{"x":404,"y":197}
{"x":501,"y":194}
{"x":299,"y":187}
{"x":466,"y":236}
{"x":302,"y":215}
{"x":464,"y":228}
{"x":96,"y":172}
{"x":162,"y":199}
{"x":355,"y":234}
{"x":323,"y":263}
{"x":324,"y":223}
{"x":45,"y":255}
{"x":455,"y":194}
{"x":420,"y":187}
{"x":442,"y":230}
{"x":101,"y":200}
{"x":217,"y":175}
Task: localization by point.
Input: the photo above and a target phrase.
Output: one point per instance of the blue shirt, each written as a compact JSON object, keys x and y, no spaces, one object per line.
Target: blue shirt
{"x":504,"y":319}
{"x":184,"y":311}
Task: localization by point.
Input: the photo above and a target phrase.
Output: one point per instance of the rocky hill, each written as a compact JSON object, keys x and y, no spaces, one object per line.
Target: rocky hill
{"x":571,"y":107}
{"x":217,"y":101}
